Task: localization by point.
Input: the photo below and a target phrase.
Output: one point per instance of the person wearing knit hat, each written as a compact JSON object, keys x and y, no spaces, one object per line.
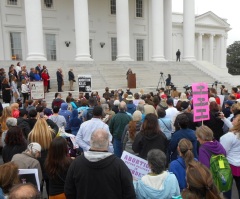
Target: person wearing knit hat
{"x":130,"y":132}
{"x":28,"y":158}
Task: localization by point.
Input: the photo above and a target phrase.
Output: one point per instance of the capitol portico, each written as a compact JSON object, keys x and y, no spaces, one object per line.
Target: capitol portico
{"x":110,"y":30}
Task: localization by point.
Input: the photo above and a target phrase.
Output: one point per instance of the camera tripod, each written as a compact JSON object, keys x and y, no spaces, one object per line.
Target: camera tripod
{"x":161,"y":81}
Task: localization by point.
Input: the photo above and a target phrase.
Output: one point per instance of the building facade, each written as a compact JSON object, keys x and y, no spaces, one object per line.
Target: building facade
{"x":109,"y":30}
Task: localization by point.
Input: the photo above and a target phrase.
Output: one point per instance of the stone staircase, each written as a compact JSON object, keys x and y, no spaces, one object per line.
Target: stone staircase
{"x":113,"y":74}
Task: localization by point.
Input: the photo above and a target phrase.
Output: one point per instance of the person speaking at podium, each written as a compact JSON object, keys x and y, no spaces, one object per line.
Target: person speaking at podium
{"x":129,"y":72}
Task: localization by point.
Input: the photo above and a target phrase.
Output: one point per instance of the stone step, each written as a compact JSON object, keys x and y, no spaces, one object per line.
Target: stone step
{"x":113,"y":74}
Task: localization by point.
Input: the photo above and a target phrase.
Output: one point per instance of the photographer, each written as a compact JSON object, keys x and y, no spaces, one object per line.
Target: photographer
{"x":168,"y":81}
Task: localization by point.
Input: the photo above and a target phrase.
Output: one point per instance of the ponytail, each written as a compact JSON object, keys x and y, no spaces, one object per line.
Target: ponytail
{"x":185,"y":148}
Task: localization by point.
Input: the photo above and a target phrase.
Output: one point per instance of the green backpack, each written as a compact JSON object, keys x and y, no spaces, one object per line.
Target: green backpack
{"x":221,"y":171}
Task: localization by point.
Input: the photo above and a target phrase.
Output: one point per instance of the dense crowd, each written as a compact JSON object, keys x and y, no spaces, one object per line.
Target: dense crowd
{"x":156,"y":127}
{"x":15,"y":82}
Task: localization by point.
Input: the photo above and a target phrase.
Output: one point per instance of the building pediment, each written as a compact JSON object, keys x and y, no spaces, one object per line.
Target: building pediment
{"x":211,"y":19}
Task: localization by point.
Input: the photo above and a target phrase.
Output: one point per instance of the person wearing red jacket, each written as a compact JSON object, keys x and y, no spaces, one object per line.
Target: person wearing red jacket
{"x":45,"y":78}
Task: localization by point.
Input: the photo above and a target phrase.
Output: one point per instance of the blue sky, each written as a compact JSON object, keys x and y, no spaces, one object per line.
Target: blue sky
{"x":228,"y":9}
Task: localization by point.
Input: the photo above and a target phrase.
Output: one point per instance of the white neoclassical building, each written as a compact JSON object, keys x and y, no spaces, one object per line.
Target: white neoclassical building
{"x":109,"y":30}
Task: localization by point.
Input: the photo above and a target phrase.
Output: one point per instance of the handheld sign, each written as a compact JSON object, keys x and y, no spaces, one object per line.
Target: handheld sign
{"x":29,"y":176}
{"x":85,"y":83}
{"x":200,"y":102}
{"x":137,"y":166}
{"x":37,"y":90}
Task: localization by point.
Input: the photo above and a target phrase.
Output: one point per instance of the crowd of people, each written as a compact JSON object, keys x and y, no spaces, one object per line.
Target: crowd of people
{"x":156,"y":127}
{"x":14,"y":83}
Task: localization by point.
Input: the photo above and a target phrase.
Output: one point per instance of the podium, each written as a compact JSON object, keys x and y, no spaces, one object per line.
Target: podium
{"x":132,"y":80}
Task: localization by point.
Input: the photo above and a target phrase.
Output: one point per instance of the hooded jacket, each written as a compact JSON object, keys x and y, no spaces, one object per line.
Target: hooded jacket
{"x":131,"y":108}
{"x":205,"y":149}
{"x":66,"y":113}
{"x":102,"y":176}
{"x":143,"y":144}
{"x":74,"y":122}
{"x":168,"y":189}
{"x":57,"y":102}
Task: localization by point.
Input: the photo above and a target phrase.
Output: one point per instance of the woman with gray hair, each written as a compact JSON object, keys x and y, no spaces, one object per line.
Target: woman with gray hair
{"x":10,"y":122}
{"x":156,"y":183}
{"x":107,"y":113}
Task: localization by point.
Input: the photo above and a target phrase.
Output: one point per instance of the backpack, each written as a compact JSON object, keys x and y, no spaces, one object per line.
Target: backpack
{"x":89,"y":114}
{"x":221,"y":172}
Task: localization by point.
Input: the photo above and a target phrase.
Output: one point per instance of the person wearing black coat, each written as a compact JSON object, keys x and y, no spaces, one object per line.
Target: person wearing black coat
{"x":23,"y":123}
{"x":150,"y":137}
{"x":6,"y":91}
{"x":59,"y":80}
{"x":215,"y":123}
{"x":102,"y":174}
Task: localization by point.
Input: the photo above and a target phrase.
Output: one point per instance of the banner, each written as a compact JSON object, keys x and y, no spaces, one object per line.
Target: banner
{"x":37,"y":90}
{"x":200,"y":102}
{"x":137,"y":166}
{"x":85,"y":83}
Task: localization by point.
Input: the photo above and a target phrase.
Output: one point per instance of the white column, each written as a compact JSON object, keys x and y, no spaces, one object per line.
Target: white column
{"x":2,"y":52}
{"x":223,"y":52}
{"x":157,"y":31}
{"x":211,"y":37}
{"x":82,"y":30}
{"x":168,"y":29}
{"x":122,"y":19}
{"x":188,"y":30}
{"x":34,"y":28}
{"x":200,"y":46}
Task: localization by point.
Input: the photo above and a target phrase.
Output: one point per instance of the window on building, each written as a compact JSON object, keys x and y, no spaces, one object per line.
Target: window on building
{"x":140,"y":52}
{"x":51,"y":47}
{"x":16,"y":45}
{"x":48,"y":3}
{"x":113,"y":7}
{"x":114,"y":48}
{"x":90,"y":48}
{"x":12,"y":2}
{"x":139,"y":8}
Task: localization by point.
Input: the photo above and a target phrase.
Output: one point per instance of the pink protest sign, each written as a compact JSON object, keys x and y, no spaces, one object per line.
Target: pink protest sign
{"x":200,"y":102}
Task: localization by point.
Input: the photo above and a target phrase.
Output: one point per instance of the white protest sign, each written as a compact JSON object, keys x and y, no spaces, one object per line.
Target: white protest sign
{"x":29,"y":176}
{"x":137,"y":166}
{"x":37,"y":90}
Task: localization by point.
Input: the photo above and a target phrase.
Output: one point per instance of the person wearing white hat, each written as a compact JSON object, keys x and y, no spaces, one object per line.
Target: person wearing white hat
{"x":28,"y":158}
{"x":130,"y":106}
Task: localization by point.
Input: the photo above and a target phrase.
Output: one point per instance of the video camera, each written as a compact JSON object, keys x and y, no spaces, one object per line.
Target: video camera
{"x":187,"y":87}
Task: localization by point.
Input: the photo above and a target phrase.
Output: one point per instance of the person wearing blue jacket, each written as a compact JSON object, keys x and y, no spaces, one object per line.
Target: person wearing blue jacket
{"x":74,"y":122}
{"x":66,"y":113}
{"x":178,"y":166}
{"x":159,"y":183}
{"x":184,"y":132}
